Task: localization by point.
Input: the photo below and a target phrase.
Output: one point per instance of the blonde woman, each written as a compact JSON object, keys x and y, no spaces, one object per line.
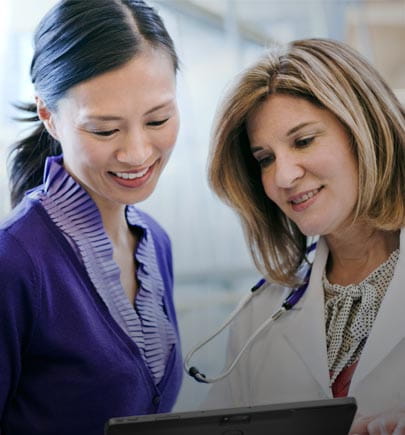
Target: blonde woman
{"x":311,"y":143}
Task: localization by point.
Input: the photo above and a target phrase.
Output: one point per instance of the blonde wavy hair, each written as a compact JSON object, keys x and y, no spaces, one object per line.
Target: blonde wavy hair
{"x":333,"y":76}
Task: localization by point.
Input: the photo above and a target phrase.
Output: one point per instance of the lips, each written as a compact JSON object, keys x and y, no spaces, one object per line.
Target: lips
{"x":130,"y":175}
{"x":298,"y":199}
{"x":304,"y":200}
{"x":132,"y":179}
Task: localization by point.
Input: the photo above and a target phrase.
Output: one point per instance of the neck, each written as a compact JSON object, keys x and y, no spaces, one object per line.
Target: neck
{"x":114,"y":223}
{"x":357,"y":253}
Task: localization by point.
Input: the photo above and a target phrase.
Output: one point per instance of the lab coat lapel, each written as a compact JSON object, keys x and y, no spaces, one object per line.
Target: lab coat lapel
{"x":389,"y":326}
{"x":306,"y":329}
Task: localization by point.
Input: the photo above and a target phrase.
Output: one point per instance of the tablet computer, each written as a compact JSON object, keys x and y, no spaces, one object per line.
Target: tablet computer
{"x":331,"y":416}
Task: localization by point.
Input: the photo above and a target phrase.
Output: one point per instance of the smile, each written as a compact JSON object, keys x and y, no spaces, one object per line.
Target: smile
{"x":131,"y":175}
{"x":307,"y":195}
{"x":133,"y":179}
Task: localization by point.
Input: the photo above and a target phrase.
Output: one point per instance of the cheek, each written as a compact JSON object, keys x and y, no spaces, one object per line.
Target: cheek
{"x":175,"y":134}
{"x":349,"y":178}
{"x":86,"y":154}
{"x":93,"y":157}
{"x":169,"y":137}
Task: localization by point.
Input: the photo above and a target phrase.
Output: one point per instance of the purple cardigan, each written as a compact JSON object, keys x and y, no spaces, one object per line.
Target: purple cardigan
{"x":66,"y":366}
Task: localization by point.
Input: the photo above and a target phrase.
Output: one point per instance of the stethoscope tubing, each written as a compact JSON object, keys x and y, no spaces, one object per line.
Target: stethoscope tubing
{"x":200,"y":377}
{"x":290,"y":301}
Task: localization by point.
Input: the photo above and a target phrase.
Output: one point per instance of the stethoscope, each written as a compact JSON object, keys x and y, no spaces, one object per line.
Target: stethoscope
{"x":289,"y":302}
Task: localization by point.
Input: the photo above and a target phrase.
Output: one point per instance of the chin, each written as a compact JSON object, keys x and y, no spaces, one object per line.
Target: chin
{"x":140,"y":197}
{"x":310,"y":231}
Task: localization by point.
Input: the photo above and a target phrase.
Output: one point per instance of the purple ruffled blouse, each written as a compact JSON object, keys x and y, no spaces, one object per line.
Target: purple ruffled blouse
{"x":77,"y":216}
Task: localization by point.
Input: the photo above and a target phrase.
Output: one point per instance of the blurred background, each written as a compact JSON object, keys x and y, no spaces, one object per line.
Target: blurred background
{"x":215,"y":40}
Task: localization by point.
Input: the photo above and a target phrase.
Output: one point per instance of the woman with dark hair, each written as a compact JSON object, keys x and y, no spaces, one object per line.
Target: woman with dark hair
{"x":88,"y":328}
{"x":309,"y":149}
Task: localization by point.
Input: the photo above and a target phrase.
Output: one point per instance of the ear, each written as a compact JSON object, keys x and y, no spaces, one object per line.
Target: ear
{"x":47,"y":117}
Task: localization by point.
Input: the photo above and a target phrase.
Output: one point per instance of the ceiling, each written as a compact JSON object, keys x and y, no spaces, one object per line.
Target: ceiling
{"x":374,"y":27}
{"x":257,"y":18}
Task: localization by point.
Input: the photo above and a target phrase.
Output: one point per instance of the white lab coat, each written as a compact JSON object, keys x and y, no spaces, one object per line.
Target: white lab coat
{"x":288,"y":361}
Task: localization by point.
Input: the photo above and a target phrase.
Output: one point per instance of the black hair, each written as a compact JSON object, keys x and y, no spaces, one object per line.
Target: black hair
{"x":76,"y":41}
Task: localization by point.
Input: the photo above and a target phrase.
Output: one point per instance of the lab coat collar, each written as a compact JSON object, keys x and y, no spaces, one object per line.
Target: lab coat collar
{"x":389,"y":326}
{"x":310,"y":317}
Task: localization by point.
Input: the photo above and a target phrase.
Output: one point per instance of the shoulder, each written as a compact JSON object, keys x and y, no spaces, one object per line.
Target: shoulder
{"x":29,"y":244}
{"x":28,"y":211}
{"x":19,"y":225}
{"x":28,"y":226}
{"x":22,"y":236}
{"x":17,"y":265}
{"x":20,"y":268}
{"x":255,"y":307}
{"x":269,"y":296}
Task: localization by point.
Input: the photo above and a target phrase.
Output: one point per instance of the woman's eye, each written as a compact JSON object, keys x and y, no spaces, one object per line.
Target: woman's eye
{"x":105,"y":132}
{"x":157,"y":123}
{"x":265,"y":161}
{"x":302,"y":143}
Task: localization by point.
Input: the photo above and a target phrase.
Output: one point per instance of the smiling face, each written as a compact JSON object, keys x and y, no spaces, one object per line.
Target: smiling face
{"x":118,"y":129}
{"x":307,"y":165}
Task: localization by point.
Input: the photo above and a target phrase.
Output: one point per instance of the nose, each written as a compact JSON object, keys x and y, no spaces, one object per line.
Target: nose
{"x":287,"y":170}
{"x":135,"y":150}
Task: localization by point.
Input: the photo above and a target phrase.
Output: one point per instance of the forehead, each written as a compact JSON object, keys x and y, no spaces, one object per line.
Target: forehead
{"x":145,"y":80}
{"x":280,"y":107}
{"x":279,"y":113}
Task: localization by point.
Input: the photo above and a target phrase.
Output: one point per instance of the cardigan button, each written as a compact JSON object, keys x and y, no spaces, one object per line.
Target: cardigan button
{"x":156,"y":400}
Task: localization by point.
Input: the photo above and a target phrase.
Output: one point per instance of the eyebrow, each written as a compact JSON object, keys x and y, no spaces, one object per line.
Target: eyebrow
{"x":104,"y":117}
{"x":299,"y":126}
{"x":119,"y":118}
{"x":160,"y":106}
{"x":289,"y":133}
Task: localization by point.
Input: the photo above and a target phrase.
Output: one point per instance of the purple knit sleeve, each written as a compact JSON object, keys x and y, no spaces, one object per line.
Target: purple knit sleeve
{"x":19,"y":302}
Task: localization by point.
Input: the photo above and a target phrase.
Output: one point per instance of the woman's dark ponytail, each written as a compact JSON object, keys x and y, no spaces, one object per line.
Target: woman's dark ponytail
{"x":76,"y":41}
{"x":28,"y":156}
